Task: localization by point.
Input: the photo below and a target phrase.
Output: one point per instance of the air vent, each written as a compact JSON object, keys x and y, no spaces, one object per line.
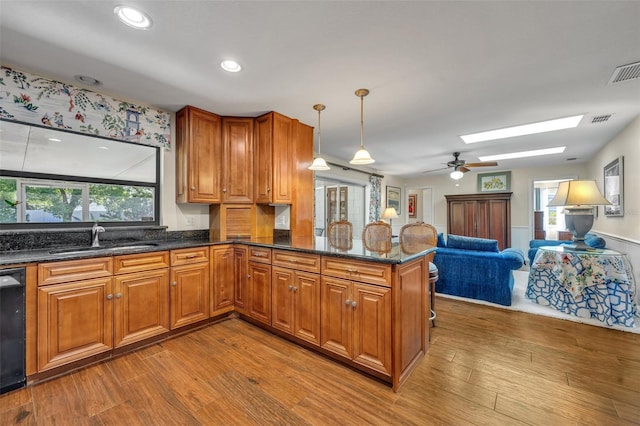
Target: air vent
{"x":600,"y":118}
{"x":625,"y":73}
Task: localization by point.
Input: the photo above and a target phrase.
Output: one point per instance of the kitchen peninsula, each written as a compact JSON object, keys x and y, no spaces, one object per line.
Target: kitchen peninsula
{"x":366,"y":309}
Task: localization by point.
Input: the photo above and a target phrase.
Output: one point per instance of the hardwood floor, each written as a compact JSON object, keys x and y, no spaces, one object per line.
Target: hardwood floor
{"x":485,"y":366}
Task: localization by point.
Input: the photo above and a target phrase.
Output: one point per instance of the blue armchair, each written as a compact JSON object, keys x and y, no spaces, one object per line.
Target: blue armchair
{"x":475,"y":268}
{"x":592,"y":240}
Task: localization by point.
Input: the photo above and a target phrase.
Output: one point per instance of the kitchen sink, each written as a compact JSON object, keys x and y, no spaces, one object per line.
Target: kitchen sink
{"x":106,"y":249}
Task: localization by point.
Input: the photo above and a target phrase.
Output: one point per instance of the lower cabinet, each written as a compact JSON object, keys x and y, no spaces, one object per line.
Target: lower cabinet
{"x":189,"y":286}
{"x":356,"y":322}
{"x":222,"y":279}
{"x":259,"y":292}
{"x":240,"y":274}
{"x":296,"y":303}
{"x":75,"y":321}
{"x":141,"y":306}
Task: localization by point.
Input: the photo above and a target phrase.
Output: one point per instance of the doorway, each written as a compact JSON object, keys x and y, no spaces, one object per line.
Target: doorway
{"x":339,"y":200}
{"x":548,"y":221}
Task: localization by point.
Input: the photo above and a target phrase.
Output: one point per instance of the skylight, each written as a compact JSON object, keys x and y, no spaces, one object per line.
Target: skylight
{"x":525,"y":129}
{"x":523,"y":154}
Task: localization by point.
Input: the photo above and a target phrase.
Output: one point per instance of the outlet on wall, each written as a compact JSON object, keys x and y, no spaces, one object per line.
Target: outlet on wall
{"x":191,"y":220}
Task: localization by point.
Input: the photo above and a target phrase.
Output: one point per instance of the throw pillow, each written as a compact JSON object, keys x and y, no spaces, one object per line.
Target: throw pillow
{"x":472,"y":243}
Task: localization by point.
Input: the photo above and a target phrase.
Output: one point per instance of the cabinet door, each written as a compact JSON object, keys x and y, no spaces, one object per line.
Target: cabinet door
{"x":240,"y":274}
{"x":307,"y":307}
{"x":264,"y":158}
{"x":259,"y":292}
{"x":336,"y":316}
{"x":282,"y":287}
{"x":498,"y":222}
{"x":141,"y":308}
{"x":283,"y":158}
{"x":482,"y":219}
{"x":237,"y":184}
{"x":372,"y":327}
{"x":189,"y":294}
{"x":222,"y":266}
{"x":457,"y":218}
{"x":198,"y":156}
{"x":75,"y":321}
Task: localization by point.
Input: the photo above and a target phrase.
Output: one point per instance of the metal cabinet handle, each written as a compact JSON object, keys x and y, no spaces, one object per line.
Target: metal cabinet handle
{"x":193,"y":188}
{"x":295,"y":289}
{"x":174,"y":283}
{"x":109,"y":296}
{"x":268,"y":188}
{"x":354,"y":304}
{"x":248,"y":275}
{"x":347,"y":302}
{"x":290,"y":287}
{"x":118,"y":295}
{"x":224,"y":189}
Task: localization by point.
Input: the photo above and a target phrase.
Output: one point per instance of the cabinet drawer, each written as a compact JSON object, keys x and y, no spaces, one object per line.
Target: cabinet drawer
{"x":260,"y":254}
{"x":189,"y":256}
{"x":301,"y":261}
{"x":140,"y":262}
{"x":74,"y":270}
{"x":356,"y":270}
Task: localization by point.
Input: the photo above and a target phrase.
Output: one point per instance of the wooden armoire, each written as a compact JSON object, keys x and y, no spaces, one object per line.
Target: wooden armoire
{"x":483,"y":215}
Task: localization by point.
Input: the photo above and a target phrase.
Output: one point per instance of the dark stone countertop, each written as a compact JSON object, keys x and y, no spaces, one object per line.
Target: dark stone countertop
{"x":315,"y":245}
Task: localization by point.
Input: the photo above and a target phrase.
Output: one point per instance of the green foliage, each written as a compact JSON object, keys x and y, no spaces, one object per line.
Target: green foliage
{"x":8,"y":191}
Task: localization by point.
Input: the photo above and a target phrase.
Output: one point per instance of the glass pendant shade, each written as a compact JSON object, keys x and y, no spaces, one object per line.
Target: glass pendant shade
{"x":456,"y":174}
{"x":318,"y":163}
{"x":362,"y":156}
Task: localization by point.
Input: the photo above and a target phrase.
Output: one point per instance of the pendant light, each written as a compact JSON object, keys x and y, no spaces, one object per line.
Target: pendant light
{"x":362,"y":156}
{"x":318,"y":162}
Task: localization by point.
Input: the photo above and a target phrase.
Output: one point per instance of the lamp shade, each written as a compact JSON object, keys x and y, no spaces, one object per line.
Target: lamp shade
{"x":389,"y":213}
{"x":319,"y":164}
{"x":362,"y":157}
{"x":578,"y":193}
{"x":456,"y":174}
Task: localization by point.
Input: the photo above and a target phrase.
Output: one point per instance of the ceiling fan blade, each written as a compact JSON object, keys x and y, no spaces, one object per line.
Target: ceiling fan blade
{"x":463,"y":169}
{"x":435,"y":170}
{"x":485,"y":164}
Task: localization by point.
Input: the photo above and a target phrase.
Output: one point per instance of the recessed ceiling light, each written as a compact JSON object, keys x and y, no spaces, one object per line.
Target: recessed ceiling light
{"x":231,"y":66}
{"x":133,"y":17}
{"x":89,"y":81}
{"x":523,"y":154}
{"x":526,"y":129}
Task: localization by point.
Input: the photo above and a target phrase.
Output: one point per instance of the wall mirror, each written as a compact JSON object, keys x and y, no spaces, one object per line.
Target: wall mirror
{"x":53,"y":177}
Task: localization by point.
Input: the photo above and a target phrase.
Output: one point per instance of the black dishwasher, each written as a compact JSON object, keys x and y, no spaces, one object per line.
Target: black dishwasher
{"x":12,"y":329}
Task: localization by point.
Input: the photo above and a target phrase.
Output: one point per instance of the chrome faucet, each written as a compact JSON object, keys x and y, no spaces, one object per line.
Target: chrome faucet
{"x":95,"y":232}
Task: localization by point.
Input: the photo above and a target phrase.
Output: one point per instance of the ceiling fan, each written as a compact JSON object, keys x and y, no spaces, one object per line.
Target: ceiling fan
{"x":463,"y":166}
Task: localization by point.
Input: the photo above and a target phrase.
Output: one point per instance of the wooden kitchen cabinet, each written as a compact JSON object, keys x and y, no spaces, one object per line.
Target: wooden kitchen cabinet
{"x":481,"y":215}
{"x":296,"y":294}
{"x":241,"y":276}
{"x":189,"y":296}
{"x":198,"y":156}
{"x":356,"y":322}
{"x":75,"y":321}
{"x":223,"y":279}
{"x":141,"y":297}
{"x":259,"y":292}
{"x":275,"y":158}
{"x":237,"y":172}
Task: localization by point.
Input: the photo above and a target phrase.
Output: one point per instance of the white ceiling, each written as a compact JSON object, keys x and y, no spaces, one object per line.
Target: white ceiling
{"x":436,"y":70}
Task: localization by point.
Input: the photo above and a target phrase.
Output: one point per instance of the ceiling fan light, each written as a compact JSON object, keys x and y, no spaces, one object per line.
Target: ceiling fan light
{"x":456,"y":175}
{"x":319,"y":164}
{"x":362,"y":157}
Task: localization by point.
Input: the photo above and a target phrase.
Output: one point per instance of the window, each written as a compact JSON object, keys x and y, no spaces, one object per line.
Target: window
{"x":53,"y":179}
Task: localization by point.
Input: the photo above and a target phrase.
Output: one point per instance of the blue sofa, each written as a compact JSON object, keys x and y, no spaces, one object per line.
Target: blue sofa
{"x":475,"y":268}
{"x":592,"y":240}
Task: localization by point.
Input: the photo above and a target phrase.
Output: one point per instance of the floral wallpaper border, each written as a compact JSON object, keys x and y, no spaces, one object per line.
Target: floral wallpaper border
{"x":32,"y":99}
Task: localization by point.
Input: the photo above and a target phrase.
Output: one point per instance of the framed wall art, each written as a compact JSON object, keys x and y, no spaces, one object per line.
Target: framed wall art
{"x":393,"y":198}
{"x":412,"y":206}
{"x":494,"y":182}
{"x":614,"y":187}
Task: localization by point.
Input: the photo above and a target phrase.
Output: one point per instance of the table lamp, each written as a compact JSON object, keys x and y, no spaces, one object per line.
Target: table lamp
{"x":389,"y":213}
{"x":578,"y":198}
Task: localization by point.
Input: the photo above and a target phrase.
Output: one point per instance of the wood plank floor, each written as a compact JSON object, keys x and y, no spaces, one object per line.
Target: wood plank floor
{"x":485,"y":366}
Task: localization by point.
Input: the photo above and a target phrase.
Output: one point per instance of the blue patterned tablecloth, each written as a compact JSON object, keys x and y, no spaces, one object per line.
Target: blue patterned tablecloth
{"x":586,"y":284}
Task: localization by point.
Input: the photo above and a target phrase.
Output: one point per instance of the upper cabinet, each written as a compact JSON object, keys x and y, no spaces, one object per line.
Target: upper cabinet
{"x":198,"y":156}
{"x":275,"y":158}
{"x":237,"y":165}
